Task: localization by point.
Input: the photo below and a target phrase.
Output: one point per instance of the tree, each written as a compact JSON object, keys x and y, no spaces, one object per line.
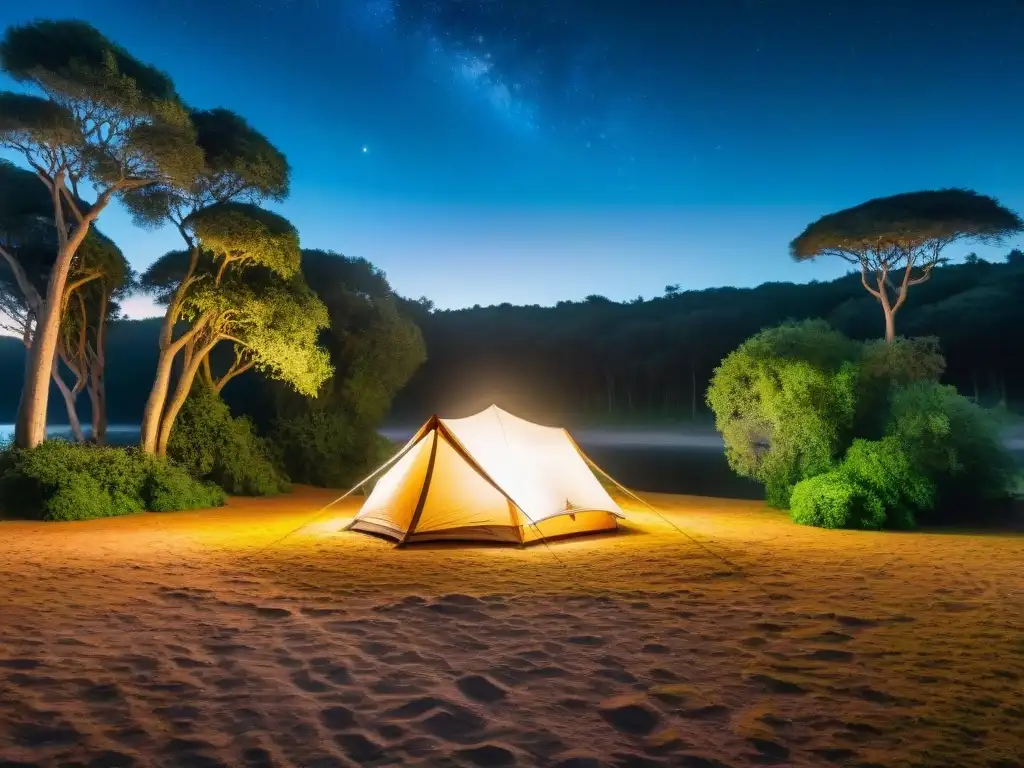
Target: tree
{"x":241,"y":168}
{"x":262,"y":306}
{"x":28,"y":246}
{"x":102,"y":117}
{"x":375,"y":347}
{"x":904,"y":233}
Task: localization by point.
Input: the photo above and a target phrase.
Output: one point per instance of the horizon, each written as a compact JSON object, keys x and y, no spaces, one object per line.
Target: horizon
{"x":430,"y":144}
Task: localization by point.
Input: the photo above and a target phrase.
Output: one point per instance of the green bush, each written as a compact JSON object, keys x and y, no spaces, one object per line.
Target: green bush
{"x":891,"y":446}
{"x":324,"y":448}
{"x":170,"y":488}
{"x":66,"y":481}
{"x":955,"y":443}
{"x":885,"y":468}
{"x":836,"y":500}
{"x":784,"y":402}
{"x":213,"y":445}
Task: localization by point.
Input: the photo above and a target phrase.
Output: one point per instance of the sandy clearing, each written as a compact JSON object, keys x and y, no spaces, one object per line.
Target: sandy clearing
{"x":203,"y":639}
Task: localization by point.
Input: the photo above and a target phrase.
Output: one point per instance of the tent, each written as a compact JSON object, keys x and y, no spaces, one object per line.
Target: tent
{"x":488,"y":477}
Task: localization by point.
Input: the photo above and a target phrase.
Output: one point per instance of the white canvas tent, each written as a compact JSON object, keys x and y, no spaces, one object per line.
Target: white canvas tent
{"x":488,"y":477}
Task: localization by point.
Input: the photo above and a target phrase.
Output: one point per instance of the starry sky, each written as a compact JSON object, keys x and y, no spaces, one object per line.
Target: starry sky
{"x":528,"y":151}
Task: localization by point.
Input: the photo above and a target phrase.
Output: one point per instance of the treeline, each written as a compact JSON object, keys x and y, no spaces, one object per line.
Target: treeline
{"x":599,"y":360}
{"x":647,"y":360}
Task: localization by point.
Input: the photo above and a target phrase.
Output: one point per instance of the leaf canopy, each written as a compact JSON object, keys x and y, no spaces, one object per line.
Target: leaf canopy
{"x":239,"y":165}
{"x":242,"y":232}
{"x":103,"y":114}
{"x":278,"y":323}
{"x":907,"y":222}
{"x":74,"y":58}
{"x":25,"y":119}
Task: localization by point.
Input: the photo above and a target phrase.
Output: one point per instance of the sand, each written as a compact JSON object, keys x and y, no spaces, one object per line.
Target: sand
{"x":204,"y":639}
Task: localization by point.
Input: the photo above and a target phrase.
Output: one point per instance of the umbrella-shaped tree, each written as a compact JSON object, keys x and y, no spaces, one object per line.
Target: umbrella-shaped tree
{"x":96,"y":115}
{"x":895,"y":242}
{"x":240,"y":169}
{"x":261,"y":305}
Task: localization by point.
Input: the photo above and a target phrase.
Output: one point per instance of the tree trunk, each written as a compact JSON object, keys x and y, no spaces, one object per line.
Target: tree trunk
{"x":36,"y":391}
{"x":181,"y":390}
{"x":150,"y":430}
{"x":98,"y":398}
{"x":69,"y":402}
{"x":890,"y":324}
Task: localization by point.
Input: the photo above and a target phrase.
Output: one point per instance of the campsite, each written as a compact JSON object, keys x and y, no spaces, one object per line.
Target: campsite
{"x":203,"y":638}
{"x":469,"y":384}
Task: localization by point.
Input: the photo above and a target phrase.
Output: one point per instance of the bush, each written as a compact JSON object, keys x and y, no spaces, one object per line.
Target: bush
{"x":891,"y":445}
{"x":836,"y":500}
{"x":955,"y":443}
{"x":219,"y":448}
{"x":885,"y":468}
{"x":170,"y":488}
{"x":784,"y":402}
{"x":326,"y":449}
{"x":66,"y":481}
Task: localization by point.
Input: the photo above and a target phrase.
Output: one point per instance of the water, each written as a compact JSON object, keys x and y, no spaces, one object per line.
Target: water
{"x":658,"y":461}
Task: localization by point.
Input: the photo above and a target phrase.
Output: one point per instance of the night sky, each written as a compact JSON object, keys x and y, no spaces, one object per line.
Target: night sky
{"x":484,"y":151}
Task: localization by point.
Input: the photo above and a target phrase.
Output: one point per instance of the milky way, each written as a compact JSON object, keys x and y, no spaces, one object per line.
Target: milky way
{"x":539,"y":65}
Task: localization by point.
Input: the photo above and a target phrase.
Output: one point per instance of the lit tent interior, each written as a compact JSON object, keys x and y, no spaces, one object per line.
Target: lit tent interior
{"x":487,"y":477}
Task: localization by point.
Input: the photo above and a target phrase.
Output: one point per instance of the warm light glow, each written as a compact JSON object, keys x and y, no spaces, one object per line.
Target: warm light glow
{"x":491,"y":476}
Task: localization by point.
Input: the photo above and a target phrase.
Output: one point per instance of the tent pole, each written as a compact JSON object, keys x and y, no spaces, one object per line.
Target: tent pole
{"x":423,"y":493}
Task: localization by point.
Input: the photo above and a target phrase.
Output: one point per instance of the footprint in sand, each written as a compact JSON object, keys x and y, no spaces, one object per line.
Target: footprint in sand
{"x":630,"y":716}
{"x":479,"y":688}
{"x":489,"y":756}
{"x":337,"y":718}
{"x":359,"y":747}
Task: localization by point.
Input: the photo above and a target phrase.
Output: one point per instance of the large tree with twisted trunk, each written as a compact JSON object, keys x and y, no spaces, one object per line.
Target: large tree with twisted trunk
{"x":897,"y":241}
{"x":99,"y":273}
{"x":96,"y":115}
{"x":244,"y":288}
{"x":240,"y":169}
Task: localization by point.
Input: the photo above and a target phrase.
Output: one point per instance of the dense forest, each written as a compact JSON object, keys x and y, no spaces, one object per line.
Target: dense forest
{"x":644,"y":360}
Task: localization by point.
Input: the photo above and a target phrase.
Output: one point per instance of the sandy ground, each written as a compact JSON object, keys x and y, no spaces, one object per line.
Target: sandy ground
{"x":203,"y":639}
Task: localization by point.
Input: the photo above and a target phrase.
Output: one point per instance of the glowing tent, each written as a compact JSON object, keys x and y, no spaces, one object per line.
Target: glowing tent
{"x":488,"y":477}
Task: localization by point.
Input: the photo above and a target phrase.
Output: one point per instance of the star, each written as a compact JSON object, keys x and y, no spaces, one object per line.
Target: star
{"x":365,"y":150}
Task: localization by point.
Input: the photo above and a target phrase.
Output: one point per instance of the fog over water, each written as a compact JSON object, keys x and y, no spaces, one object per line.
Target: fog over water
{"x":660,"y":460}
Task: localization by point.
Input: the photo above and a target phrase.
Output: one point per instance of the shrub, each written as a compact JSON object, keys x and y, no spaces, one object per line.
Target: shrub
{"x":325,"y":448}
{"x":784,"y":402}
{"x":955,"y":443}
{"x":884,"y":467}
{"x":836,"y":500}
{"x":66,"y":481}
{"x":170,"y":488}
{"x":219,"y":448}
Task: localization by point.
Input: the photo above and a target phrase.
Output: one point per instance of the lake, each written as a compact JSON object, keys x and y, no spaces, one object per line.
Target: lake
{"x":659,"y":461}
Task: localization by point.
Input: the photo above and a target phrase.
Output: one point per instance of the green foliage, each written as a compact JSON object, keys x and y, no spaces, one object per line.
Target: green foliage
{"x":213,"y":445}
{"x":835,"y":500}
{"x":784,"y":402}
{"x":374,"y":347}
{"x":908,"y":223}
{"x":241,"y":233}
{"x":171,"y":488}
{"x":885,"y":367}
{"x":800,"y":402}
{"x":955,"y":443}
{"x":277,"y":324}
{"x":83,"y":77}
{"x":327,"y":448}
{"x":885,"y":468}
{"x":64,"y":481}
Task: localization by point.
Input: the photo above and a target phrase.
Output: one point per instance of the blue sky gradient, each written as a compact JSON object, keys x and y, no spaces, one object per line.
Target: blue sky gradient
{"x":515,"y":153}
